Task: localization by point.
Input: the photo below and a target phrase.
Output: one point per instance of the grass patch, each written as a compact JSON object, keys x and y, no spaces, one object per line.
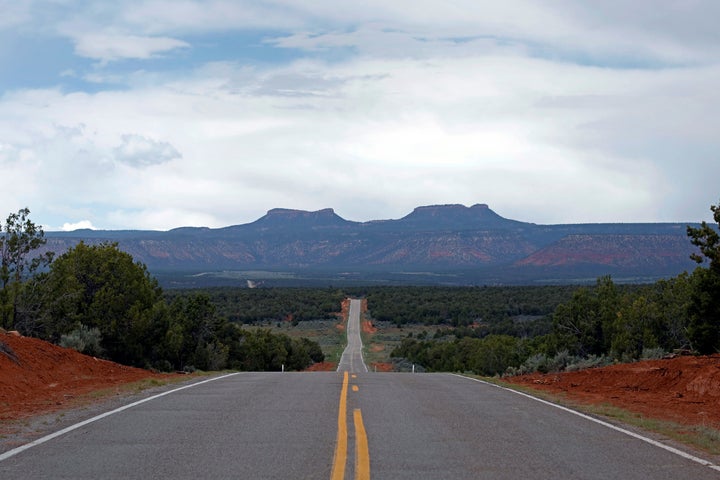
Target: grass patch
{"x":378,"y":346}
{"x":141,"y":385}
{"x":701,"y":437}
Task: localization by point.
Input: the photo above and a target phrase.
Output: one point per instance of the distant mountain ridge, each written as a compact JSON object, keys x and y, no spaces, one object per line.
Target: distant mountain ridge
{"x":437,"y":243}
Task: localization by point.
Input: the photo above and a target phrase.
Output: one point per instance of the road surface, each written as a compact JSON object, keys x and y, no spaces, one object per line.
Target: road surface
{"x":346,"y":425}
{"x":352,"y":359}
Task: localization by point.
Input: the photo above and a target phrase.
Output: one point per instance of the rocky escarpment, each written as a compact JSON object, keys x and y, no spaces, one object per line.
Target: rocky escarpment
{"x":439,"y":238}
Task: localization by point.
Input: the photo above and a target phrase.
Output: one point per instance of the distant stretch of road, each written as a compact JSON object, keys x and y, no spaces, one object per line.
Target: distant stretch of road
{"x":352,"y":358}
{"x":346,"y":425}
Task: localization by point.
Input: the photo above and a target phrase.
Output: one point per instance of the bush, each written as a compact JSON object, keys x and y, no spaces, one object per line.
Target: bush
{"x":405,"y":365}
{"x":653,"y":353}
{"x":562,"y":361}
{"x":212,"y":356}
{"x":84,"y":340}
{"x":591,"y":361}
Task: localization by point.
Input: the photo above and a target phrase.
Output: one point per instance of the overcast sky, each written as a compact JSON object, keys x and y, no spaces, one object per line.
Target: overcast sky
{"x":161,"y":114}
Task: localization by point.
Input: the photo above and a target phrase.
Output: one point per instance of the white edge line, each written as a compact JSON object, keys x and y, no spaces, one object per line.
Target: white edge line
{"x":676,"y":451}
{"x":362,"y":357}
{"x":47,"y":438}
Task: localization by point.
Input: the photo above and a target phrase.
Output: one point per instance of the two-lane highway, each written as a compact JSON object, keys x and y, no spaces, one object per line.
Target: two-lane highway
{"x":352,"y":358}
{"x":279,"y":426}
{"x":347,"y":425}
{"x":352,"y":443}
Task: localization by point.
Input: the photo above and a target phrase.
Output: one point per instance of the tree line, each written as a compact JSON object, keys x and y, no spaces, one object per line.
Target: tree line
{"x":98,"y":300}
{"x":259,"y":305}
{"x":463,"y":306}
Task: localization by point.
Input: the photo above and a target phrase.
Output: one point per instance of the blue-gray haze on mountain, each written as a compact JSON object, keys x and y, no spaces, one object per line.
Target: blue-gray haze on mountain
{"x":440,"y":244}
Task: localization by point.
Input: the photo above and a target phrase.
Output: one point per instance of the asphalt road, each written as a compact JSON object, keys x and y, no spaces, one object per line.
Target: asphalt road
{"x":280,"y":426}
{"x":346,"y":425}
{"x":352,"y":359}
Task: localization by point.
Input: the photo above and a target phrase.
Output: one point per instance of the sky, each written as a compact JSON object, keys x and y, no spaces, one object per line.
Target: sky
{"x":168,"y":113}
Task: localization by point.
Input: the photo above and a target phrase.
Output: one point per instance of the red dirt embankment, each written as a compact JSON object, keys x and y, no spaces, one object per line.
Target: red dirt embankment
{"x":38,"y":377}
{"x":343,"y":315}
{"x":684,"y":389}
{"x":381,"y":367}
{"x":322,"y":367}
{"x":367,"y":327}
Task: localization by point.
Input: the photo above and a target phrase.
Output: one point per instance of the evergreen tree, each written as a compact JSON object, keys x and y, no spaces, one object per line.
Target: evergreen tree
{"x":704,"y":310}
{"x":18,"y":238}
{"x":101,"y":287}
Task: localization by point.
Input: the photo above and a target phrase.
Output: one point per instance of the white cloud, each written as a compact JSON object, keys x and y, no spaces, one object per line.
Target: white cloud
{"x":160,"y":16}
{"x":110,"y":47}
{"x":82,"y":224}
{"x":13,"y":13}
{"x":140,"y":151}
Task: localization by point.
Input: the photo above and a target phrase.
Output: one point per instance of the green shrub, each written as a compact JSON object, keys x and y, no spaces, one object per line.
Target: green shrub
{"x":653,"y":353}
{"x":84,"y":340}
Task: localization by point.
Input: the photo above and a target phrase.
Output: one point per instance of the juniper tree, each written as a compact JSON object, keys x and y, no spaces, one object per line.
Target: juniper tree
{"x":19,"y":237}
{"x":704,"y":311}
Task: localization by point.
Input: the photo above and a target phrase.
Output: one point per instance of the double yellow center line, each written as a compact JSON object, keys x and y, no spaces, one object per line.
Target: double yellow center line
{"x":362,"y":453}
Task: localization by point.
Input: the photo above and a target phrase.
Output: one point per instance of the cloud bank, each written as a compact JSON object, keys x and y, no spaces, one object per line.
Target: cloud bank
{"x":165,"y":114}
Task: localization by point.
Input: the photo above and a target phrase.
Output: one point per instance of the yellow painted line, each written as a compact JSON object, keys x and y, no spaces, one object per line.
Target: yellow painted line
{"x":354,"y":376}
{"x":362,"y":452}
{"x":338,"y":470}
{"x":355,"y":388}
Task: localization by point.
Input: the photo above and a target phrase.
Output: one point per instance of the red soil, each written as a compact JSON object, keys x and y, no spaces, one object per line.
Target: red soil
{"x":684,"y":389}
{"x":367,"y":327}
{"x":381,"y":367}
{"x":322,"y":367}
{"x":344,"y":310}
{"x":38,"y":377}
{"x":343,"y":315}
